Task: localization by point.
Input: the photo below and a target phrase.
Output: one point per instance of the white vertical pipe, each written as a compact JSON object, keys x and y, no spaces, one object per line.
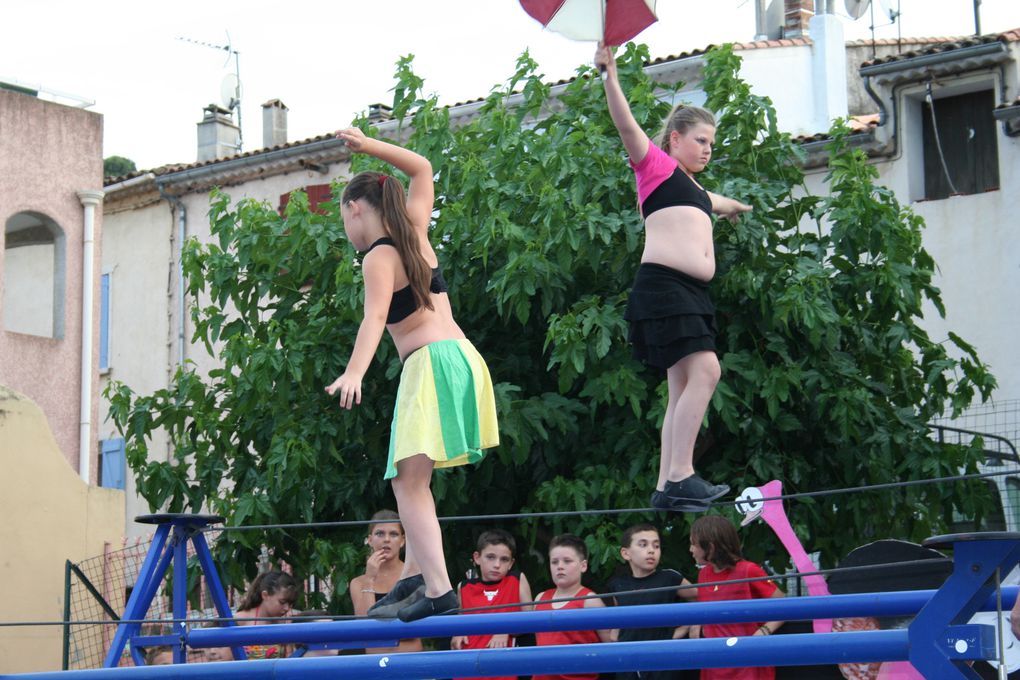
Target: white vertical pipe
{"x":89,"y":199}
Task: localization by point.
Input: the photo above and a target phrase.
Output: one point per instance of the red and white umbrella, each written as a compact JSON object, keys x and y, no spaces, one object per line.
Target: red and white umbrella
{"x":613,"y":22}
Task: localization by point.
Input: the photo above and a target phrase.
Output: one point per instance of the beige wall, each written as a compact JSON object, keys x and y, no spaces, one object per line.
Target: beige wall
{"x":137,"y":253}
{"x":51,"y":516}
{"x":49,"y":152}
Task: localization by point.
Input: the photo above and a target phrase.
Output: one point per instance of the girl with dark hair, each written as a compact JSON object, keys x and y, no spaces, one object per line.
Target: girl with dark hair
{"x":672,"y":319}
{"x":715,"y":547}
{"x":445,"y":413}
{"x":270,"y":595}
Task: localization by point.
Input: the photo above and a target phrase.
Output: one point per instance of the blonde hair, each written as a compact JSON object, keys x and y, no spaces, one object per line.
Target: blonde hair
{"x":682,"y":119}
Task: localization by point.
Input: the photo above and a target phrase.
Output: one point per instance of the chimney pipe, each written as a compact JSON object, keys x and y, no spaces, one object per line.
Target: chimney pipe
{"x":274,"y":123}
{"x":218,"y":136}
{"x":798,"y":14}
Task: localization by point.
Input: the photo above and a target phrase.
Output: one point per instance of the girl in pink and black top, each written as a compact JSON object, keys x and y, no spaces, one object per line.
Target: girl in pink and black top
{"x":715,"y":547}
{"x":672,"y":319}
{"x":568,"y":559}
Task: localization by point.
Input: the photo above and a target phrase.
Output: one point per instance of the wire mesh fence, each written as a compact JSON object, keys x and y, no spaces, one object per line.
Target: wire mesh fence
{"x":997,"y":426}
{"x":98,"y":590}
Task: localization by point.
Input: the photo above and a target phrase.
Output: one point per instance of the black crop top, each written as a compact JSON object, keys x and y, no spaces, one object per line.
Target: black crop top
{"x":402,"y":304}
{"x":677,"y":189}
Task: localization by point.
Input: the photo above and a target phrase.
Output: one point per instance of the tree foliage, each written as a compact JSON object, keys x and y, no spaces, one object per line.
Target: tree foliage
{"x":117,"y":166}
{"x":828,"y":375}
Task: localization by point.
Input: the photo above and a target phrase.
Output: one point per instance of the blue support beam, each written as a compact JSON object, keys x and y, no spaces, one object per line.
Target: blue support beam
{"x":639,"y":616}
{"x":977,"y":559}
{"x":786,"y":650}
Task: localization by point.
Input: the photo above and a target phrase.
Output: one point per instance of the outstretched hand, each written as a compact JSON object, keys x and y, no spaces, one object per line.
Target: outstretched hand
{"x":349,"y":389}
{"x":734,"y":212}
{"x":353,"y":137}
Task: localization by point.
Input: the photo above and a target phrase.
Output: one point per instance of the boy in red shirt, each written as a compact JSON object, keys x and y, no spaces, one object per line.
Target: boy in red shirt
{"x":568,"y":559}
{"x":495,"y":585}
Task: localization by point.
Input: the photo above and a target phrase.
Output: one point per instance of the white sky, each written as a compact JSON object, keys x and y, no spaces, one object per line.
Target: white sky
{"x":328,"y":60}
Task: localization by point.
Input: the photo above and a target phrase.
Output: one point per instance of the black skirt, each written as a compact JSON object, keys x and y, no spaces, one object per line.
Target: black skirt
{"x":671,"y":316}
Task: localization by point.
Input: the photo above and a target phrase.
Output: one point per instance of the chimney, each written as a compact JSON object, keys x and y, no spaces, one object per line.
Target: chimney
{"x":218,"y":136}
{"x":274,"y":123}
{"x":828,"y":70}
{"x":796,"y":17}
{"x":379,"y":113}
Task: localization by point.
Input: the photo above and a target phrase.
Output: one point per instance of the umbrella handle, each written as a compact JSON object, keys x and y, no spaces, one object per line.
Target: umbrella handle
{"x":603,"y":73}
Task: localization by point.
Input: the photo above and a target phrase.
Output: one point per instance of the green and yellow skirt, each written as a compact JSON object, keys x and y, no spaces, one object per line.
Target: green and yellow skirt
{"x":445,"y":407}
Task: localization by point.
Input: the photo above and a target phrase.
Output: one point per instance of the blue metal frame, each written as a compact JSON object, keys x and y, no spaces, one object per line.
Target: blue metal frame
{"x":169,"y":547}
{"x":938,"y":642}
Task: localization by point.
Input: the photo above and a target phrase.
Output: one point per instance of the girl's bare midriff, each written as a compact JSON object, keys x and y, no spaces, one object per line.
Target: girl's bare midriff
{"x":680,"y":237}
{"x":424,"y":326}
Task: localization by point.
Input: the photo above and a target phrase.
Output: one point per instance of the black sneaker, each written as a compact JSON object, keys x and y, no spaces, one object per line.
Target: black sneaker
{"x":388,"y":611}
{"x":694,"y":489}
{"x":660,"y":501}
{"x":400,"y":591}
{"x":429,"y":606}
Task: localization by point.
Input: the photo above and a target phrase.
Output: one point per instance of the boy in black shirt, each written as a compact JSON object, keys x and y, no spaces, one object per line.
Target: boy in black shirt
{"x":641,"y":550}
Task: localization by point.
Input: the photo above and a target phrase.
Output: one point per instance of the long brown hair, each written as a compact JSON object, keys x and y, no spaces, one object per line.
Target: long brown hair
{"x":682,"y":119}
{"x":272,"y":582}
{"x":718,"y":538}
{"x":386,"y":195}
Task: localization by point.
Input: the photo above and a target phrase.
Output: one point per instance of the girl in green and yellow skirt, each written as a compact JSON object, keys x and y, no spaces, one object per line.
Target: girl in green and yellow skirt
{"x":445,"y":413}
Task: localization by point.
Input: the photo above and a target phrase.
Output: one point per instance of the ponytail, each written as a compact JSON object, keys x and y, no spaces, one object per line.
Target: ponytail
{"x":398,"y":223}
{"x":386,"y":194}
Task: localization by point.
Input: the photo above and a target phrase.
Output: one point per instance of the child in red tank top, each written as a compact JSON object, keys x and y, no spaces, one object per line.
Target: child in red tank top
{"x":568,"y":559}
{"x":495,"y":585}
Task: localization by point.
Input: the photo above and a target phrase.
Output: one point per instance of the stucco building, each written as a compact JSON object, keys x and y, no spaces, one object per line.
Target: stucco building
{"x":51,"y":173}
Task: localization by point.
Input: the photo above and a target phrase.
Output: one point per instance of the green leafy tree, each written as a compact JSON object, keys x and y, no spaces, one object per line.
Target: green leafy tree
{"x":828,"y":377}
{"x":116,"y":166}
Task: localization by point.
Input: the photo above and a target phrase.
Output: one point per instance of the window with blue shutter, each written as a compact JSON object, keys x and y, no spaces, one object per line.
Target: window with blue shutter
{"x":104,"y":323}
{"x":112,"y":465}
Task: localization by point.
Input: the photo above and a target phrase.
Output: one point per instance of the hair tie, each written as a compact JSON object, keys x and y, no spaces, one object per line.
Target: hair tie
{"x":382,"y":179}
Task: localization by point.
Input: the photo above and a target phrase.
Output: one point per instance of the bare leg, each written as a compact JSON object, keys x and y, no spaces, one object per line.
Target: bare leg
{"x":692,"y":380}
{"x":417,"y":511}
{"x":676,"y":383}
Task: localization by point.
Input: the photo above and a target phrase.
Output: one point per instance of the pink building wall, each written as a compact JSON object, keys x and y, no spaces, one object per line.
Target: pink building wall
{"x":49,"y":152}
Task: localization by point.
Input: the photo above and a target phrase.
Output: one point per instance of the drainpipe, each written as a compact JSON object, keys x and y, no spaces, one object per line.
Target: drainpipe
{"x":182,"y":232}
{"x":89,"y":198}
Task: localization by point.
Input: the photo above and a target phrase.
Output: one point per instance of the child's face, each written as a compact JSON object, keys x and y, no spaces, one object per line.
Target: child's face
{"x":700,"y":558}
{"x":219,"y":654}
{"x":693,"y":148}
{"x":643,"y":553}
{"x":494,"y":561}
{"x":566,"y":566}
{"x":276,"y":604}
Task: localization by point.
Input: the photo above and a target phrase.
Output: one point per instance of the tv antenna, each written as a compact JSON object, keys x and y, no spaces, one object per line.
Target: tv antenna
{"x":230,"y":88}
{"x":857,"y":8}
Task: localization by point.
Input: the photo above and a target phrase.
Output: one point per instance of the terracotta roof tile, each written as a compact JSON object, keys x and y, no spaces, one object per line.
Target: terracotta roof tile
{"x":949,"y":44}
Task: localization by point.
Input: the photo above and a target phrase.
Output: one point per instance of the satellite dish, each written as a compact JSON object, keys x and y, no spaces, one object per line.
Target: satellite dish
{"x":230,"y":91}
{"x":888,"y":10}
{"x":856,"y":8}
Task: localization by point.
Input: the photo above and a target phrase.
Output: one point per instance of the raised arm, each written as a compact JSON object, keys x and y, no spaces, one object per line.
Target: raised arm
{"x":421,"y":193}
{"x":635,"y":141}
